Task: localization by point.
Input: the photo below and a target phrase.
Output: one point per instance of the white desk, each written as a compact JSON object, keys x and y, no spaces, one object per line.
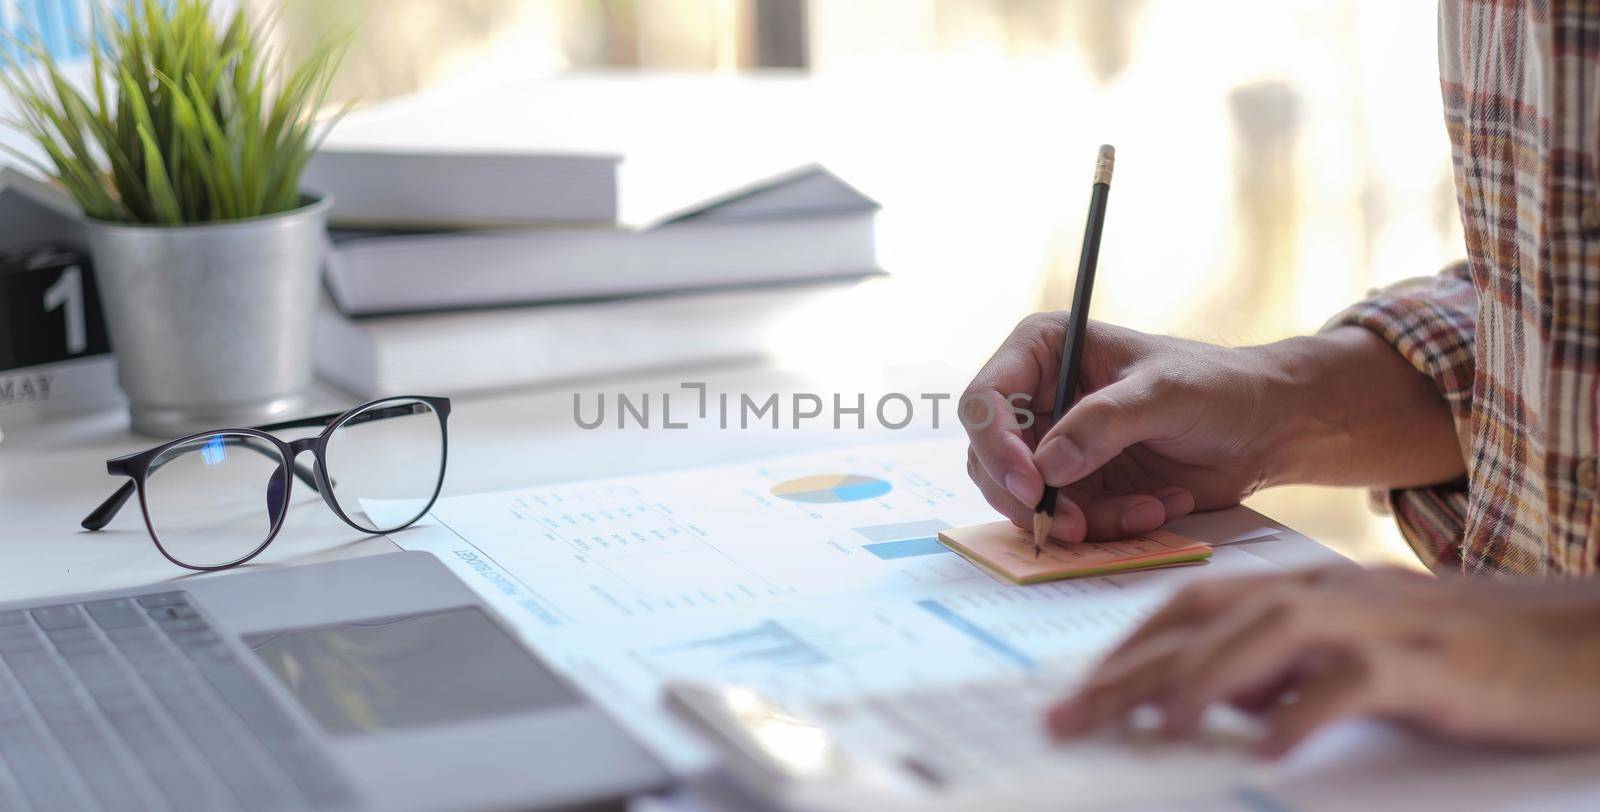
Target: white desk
{"x":51,"y":474}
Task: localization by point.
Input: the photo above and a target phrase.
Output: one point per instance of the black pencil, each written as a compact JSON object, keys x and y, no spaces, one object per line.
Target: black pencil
{"x":1077,"y":326}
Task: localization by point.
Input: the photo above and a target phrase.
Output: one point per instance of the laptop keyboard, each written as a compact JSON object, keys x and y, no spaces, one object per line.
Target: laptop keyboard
{"x":137,"y":703}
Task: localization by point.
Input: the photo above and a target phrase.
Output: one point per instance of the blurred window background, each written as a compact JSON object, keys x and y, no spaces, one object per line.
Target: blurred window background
{"x":62,"y":26}
{"x":1277,"y":158}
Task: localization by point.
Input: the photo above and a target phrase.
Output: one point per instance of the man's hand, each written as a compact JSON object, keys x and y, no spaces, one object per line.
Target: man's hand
{"x":1493,"y":662}
{"x":1164,"y":426}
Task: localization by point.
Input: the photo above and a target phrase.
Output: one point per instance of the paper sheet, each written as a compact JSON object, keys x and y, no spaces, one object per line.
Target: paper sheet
{"x":609,"y":582}
{"x":1220,"y":527}
{"x":803,"y":577}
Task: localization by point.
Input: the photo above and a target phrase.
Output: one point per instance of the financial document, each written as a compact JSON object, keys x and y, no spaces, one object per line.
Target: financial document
{"x":804,"y":577}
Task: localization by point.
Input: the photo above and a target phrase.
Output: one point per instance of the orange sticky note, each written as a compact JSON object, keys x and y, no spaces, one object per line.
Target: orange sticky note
{"x":1006,"y":551}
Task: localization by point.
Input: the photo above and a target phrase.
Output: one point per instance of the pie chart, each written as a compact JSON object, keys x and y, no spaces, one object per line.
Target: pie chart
{"x":822,"y":488}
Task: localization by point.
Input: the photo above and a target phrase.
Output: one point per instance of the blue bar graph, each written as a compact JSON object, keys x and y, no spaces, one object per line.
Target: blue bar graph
{"x":902,"y":530}
{"x":976,"y":632}
{"x":766,"y":645}
{"x":906,"y":548}
{"x":904,"y":539}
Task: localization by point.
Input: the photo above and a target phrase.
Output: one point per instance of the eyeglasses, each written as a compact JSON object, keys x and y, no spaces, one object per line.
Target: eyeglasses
{"x":215,"y":500}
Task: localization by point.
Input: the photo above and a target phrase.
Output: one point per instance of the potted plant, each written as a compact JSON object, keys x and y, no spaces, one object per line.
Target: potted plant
{"x":185,"y":152}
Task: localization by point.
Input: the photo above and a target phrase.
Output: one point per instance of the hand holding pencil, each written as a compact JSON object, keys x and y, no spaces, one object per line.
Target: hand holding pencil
{"x":1136,"y":432}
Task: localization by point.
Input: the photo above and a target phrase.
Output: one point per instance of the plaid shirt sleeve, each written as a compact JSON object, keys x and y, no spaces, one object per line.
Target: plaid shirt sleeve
{"x":1432,"y":323}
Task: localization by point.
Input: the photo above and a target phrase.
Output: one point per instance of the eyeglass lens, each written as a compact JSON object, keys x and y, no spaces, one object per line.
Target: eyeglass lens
{"x":213,"y":500}
{"x":386,"y":462}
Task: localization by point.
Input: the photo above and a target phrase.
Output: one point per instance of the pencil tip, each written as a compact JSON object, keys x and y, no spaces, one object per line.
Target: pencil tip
{"x":1041,"y":531}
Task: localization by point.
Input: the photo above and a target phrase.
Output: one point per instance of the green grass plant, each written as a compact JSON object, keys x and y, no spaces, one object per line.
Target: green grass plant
{"x":184,"y":120}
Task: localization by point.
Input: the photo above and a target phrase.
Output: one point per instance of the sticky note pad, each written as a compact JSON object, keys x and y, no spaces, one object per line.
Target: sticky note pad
{"x":1006,"y":551}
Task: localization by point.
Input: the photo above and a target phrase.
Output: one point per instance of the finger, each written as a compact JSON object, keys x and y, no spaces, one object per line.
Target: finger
{"x":1263,"y":696}
{"x":1101,"y":426}
{"x":1266,"y":643}
{"x":1184,"y":670}
{"x":1255,"y":645}
{"x":1118,"y":516}
{"x":1018,"y":367}
{"x":996,"y":439}
{"x":1177,"y":501}
{"x":1142,"y":665}
{"x":1102,"y":697}
{"x":1067,"y":524}
{"x":1196,"y":604}
{"x":1084,"y":517}
{"x":1321,"y":698}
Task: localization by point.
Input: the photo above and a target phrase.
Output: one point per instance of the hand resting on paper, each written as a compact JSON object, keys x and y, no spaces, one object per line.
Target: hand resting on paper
{"x":1164,"y":426}
{"x":1503,"y":662}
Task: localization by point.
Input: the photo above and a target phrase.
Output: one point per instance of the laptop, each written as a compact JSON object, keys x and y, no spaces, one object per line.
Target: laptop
{"x":373,"y":683}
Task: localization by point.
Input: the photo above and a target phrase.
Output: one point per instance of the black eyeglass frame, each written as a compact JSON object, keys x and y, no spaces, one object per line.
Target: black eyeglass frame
{"x":138,"y":467}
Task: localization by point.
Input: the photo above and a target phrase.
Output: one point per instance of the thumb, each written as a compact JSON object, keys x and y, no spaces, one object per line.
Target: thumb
{"x":1099,"y":427}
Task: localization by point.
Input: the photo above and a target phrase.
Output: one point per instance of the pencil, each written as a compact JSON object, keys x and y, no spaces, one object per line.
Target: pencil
{"x":1077,"y":326}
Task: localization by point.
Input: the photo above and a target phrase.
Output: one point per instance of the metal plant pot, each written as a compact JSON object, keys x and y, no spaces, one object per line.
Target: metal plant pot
{"x":211,"y":323}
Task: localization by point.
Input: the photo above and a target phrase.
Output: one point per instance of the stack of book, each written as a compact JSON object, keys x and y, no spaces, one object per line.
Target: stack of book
{"x":452,"y":273}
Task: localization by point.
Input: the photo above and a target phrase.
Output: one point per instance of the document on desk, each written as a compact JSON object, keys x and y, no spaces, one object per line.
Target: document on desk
{"x":804,"y":577}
